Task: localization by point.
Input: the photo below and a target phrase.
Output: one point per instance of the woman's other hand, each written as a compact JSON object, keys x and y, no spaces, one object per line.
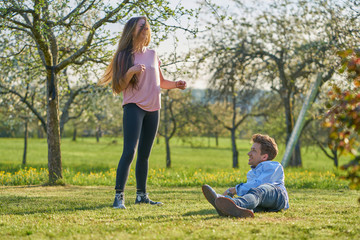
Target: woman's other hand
{"x":138,"y":68}
{"x":180,"y":84}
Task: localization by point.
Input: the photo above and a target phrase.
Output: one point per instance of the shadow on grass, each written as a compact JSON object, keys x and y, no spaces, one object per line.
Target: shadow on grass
{"x":164,"y":218}
{"x":202,"y":212}
{"x":19,"y":205}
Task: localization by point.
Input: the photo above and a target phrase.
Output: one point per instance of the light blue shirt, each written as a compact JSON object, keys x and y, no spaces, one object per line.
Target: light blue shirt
{"x":265,"y":172}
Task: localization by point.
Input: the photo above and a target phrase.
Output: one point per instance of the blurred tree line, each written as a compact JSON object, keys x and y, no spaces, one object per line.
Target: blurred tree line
{"x":259,"y":61}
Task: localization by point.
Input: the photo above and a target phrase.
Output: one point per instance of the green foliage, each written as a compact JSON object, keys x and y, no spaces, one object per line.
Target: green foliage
{"x":343,"y":118}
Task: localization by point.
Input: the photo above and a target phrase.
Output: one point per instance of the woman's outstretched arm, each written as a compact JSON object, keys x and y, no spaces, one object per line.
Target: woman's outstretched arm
{"x":166,"y":84}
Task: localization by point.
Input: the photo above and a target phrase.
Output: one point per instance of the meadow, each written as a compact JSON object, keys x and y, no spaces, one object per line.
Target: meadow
{"x":321,"y":204}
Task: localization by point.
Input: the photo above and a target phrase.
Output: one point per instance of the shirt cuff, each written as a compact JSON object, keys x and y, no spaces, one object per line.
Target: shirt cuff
{"x":238,"y":190}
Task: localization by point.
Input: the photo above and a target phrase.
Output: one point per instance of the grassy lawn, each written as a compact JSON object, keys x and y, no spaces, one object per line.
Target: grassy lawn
{"x":321,"y":205}
{"x":80,"y":212}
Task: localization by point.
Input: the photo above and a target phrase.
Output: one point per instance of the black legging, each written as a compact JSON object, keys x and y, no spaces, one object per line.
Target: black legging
{"x":139,"y":126}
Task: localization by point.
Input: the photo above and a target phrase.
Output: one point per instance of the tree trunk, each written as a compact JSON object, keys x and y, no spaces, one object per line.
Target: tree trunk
{"x":98,"y":133}
{"x":74,"y":133}
{"x":295,"y":160}
{"x":62,"y":123}
{"x":53,"y":133}
{"x":336,"y":160}
{"x":166,"y":135}
{"x":168,"y":156}
{"x":25,"y":142}
{"x":40,"y":132}
{"x":217,"y":139}
{"x":209,"y":137}
{"x":234,"y":150}
{"x":233,"y":137}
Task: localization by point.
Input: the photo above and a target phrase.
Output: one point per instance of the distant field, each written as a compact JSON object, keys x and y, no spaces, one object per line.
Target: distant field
{"x":86,"y":155}
{"x":86,"y":163}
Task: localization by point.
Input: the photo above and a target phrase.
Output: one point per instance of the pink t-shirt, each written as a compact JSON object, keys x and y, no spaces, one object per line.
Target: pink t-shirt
{"x":148,"y":93}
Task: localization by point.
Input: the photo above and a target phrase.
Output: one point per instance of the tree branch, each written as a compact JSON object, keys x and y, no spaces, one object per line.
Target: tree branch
{"x":17,"y":23}
{"x":173,"y":120}
{"x":90,"y":37}
{"x":322,"y":147}
{"x":84,"y":60}
{"x":75,"y":10}
{"x":77,"y":116}
{"x":11,"y":55}
{"x":27,"y":103}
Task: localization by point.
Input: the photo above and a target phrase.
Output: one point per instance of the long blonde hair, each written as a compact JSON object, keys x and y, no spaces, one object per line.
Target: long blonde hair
{"x":123,"y":58}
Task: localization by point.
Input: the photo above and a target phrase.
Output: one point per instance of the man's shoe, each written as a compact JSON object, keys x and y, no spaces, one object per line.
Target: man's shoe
{"x":227,"y":206}
{"x":119,"y":201}
{"x":144,"y":198}
{"x":211,"y":196}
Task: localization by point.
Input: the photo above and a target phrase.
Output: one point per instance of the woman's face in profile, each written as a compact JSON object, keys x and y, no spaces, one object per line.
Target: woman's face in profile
{"x":141,"y":30}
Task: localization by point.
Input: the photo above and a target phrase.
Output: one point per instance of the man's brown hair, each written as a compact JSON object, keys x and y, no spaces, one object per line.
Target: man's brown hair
{"x":268,"y":145}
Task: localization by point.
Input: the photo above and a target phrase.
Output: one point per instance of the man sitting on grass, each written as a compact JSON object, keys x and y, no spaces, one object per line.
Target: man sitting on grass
{"x":264,"y":189}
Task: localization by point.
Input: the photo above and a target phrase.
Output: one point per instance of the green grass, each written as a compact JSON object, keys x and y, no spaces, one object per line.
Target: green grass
{"x":77,"y":212}
{"x":321,"y":205}
{"x":86,"y":155}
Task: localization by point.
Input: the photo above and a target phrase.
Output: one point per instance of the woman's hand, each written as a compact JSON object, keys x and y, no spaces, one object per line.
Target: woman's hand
{"x":138,"y":68}
{"x":180,"y":84}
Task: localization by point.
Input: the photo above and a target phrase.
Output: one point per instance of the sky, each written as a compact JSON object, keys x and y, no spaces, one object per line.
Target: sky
{"x":167,"y":46}
{"x":185,"y":44}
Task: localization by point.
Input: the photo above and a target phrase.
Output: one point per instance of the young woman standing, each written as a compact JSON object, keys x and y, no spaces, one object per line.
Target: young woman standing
{"x":135,"y":71}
